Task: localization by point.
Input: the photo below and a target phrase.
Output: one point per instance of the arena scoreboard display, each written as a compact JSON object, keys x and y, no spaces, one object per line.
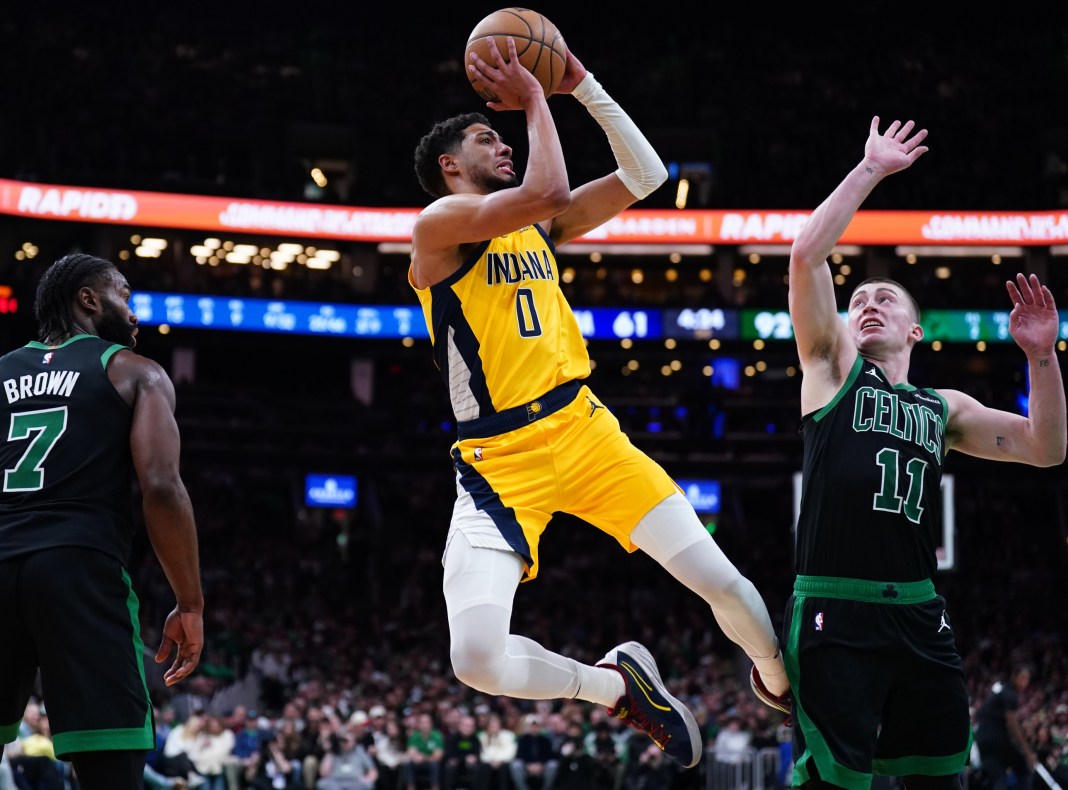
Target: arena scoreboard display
{"x":597,"y":323}
{"x":949,"y":326}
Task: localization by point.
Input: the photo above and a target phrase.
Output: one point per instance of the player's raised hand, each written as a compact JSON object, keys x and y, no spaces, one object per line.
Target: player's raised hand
{"x":509,"y":80}
{"x":1033,"y":322}
{"x":574,"y":72}
{"x":896,"y":148}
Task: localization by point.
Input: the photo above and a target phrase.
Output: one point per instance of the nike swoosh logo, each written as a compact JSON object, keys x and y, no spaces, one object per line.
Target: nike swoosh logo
{"x":643,"y":685}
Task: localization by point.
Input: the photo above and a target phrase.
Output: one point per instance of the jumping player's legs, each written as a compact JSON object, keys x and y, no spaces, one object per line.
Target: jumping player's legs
{"x":479,"y":586}
{"x":574,"y":460}
{"x":672,"y":534}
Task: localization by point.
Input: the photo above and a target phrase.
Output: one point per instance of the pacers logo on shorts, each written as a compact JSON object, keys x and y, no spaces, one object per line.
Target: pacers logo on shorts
{"x":533,"y":410}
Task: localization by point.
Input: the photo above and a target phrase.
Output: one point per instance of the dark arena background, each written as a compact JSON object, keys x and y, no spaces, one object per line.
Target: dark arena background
{"x":189,"y":144}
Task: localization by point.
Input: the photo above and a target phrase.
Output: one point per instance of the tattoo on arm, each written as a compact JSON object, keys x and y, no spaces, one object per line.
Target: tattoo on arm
{"x":1001,"y":441}
{"x":1043,"y":363}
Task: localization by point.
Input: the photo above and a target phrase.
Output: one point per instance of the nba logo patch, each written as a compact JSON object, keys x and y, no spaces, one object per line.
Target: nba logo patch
{"x":819,"y":621}
{"x":478,"y":453}
{"x":47,"y":358}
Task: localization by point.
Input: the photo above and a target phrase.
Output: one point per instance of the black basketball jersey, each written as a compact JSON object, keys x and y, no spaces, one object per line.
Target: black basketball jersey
{"x":64,"y":450}
{"x":871,"y":499}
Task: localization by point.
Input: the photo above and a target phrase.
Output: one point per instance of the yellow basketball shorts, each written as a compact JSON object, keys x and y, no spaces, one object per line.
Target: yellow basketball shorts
{"x":564,"y":452}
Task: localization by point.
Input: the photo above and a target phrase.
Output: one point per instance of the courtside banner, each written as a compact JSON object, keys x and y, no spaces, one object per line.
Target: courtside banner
{"x":648,"y":226}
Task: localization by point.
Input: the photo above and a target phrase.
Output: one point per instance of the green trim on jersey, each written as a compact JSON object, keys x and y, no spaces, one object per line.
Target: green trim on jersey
{"x":853,"y":373}
{"x":107,"y":355}
{"x":864,"y":590}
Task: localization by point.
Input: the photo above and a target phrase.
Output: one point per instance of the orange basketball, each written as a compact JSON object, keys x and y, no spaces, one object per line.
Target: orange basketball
{"x":538,"y":44}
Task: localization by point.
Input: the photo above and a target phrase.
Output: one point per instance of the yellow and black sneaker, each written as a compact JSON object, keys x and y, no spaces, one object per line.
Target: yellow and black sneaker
{"x":649,"y":708}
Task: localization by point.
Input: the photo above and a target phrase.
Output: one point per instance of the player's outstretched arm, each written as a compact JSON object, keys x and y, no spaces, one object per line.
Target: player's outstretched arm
{"x":1039,"y":438}
{"x":813,"y":311}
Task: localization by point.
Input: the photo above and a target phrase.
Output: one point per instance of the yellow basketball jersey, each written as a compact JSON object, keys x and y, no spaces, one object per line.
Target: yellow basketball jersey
{"x":502,"y":330}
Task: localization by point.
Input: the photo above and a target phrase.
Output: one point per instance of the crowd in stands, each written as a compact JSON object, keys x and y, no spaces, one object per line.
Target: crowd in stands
{"x":398,"y":720}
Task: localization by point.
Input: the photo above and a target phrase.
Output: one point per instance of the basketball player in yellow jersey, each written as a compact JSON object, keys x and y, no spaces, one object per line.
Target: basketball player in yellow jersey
{"x":532,"y":438}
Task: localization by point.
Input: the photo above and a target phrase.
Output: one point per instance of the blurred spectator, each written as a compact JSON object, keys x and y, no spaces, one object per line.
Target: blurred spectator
{"x":1049,"y":752}
{"x":575,"y":764}
{"x":498,"y":751}
{"x":348,"y":766}
{"x":314,"y":741}
{"x":214,"y":744}
{"x":244,"y":759}
{"x":652,"y":770}
{"x":181,"y":745}
{"x":1006,"y":757}
{"x":290,"y":742}
{"x":426,"y":747}
{"x":732,"y":741}
{"x":535,"y":760}
{"x":271,"y":769}
{"x":390,"y":751}
{"x":31,"y":718}
{"x":462,"y":758}
{"x":33,"y":762}
{"x":606,"y":751}
{"x":359,"y":724}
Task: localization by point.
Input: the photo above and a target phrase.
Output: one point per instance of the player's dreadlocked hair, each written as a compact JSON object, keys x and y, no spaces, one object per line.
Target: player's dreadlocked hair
{"x":57,"y":289}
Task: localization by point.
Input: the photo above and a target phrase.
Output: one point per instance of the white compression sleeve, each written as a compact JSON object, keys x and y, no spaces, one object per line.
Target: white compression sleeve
{"x":479,"y":586}
{"x":640,"y":168}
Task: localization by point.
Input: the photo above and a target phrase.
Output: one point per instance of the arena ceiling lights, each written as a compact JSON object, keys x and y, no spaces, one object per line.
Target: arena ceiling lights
{"x":213,"y":251}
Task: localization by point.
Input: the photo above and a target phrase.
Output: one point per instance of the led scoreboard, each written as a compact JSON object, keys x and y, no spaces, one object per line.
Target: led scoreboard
{"x":596,"y":323}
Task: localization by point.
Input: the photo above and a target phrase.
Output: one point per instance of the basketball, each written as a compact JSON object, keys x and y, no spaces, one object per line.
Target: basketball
{"x":538,"y":44}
